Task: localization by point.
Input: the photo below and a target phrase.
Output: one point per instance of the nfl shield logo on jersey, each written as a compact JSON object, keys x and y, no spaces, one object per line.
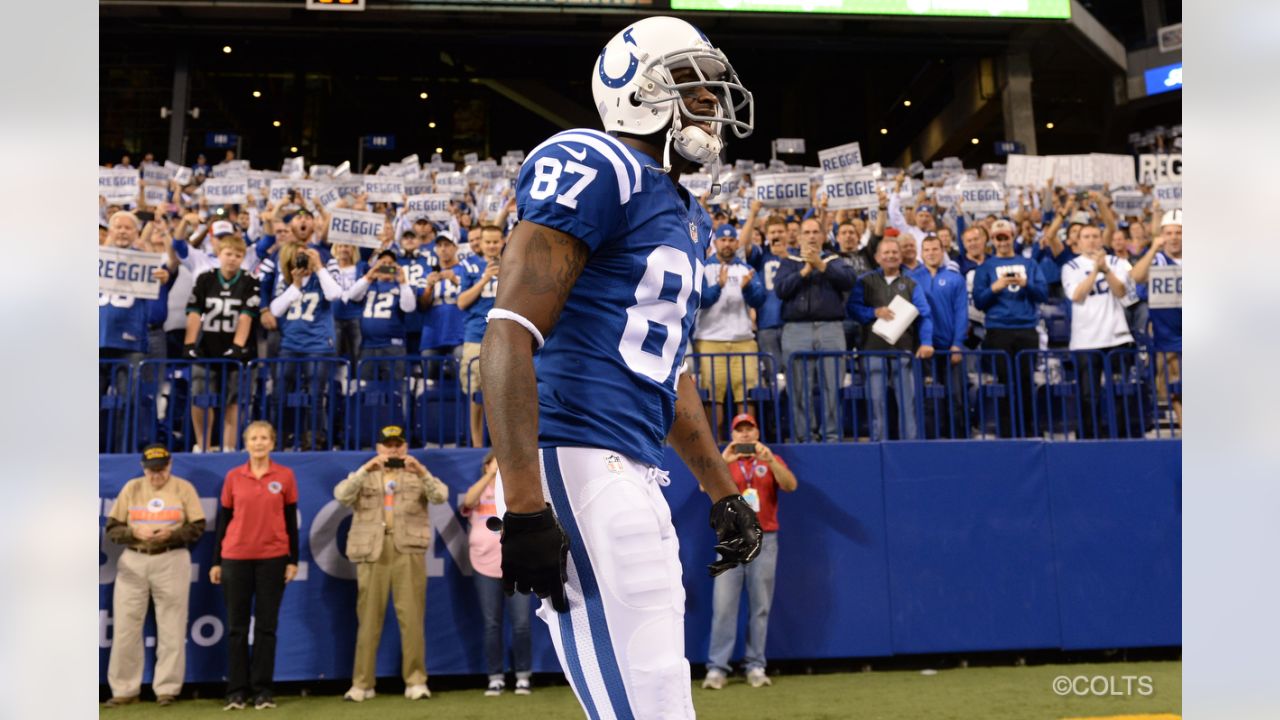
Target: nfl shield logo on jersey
{"x":614,"y":463}
{"x":693,"y":231}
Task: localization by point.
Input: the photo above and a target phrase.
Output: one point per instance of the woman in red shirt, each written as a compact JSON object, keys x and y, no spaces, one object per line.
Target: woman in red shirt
{"x":256,"y":553}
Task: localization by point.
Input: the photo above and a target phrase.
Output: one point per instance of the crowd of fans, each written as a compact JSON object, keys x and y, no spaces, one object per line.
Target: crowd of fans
{"x":262,"y":280}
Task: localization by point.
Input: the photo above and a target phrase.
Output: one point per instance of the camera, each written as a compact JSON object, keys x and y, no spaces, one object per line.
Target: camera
{"x":744,"y":448}
{"x":394,"y":463}
{"x":301,"y":261}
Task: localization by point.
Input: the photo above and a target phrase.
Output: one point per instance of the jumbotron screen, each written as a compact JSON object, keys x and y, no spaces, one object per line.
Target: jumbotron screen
{"x":1047,"y":9}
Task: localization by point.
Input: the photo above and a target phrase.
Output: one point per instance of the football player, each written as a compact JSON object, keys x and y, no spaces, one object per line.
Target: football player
{"x":601,"y":280}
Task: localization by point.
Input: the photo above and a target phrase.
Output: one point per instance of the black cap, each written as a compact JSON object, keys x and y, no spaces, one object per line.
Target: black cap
{"x":391,"y":434}
{"x":156,"y":457}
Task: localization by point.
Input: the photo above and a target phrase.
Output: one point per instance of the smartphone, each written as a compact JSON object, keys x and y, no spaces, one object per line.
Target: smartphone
{"x":1082,"y":195}
{"x":145,"y":216}
{"x":744,"y":448}
{"x":394,"y":463}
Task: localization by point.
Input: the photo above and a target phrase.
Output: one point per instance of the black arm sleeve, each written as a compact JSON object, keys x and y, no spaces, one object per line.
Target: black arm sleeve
{"x":291,"y":527}
{"x":224,"y":519}
{"x":188,"y":534}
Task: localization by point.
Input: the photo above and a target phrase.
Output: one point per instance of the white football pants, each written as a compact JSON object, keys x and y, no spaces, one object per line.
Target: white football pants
{"x":622,"y":642}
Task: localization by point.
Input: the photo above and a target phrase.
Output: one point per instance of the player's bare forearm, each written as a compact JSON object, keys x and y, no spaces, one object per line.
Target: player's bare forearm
{"x":539,"y":268}
{"x":691,"y":437}
{"x":511,"y":410}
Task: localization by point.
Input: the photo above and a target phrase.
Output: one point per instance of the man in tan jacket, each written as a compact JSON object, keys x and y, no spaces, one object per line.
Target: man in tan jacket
{"x":389,"y":536}
{"x":156,"y":517}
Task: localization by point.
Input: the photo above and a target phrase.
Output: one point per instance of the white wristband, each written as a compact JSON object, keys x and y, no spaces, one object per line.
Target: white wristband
{"x":500,"y":314}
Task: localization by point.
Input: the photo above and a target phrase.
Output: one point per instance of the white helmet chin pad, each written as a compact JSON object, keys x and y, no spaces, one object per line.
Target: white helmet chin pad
{"x":695,"y":144}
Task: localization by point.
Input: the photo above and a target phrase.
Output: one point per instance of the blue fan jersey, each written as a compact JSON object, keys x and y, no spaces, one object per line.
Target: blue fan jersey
{"x":607,"y":374}
{"x":442,"y":323}
{"x":122,"y":322}
{"x":382,"y":322}
{"x":308,"y":325}
{"x":417,"y":266}
{"x":768,"y":315}
{"x":478,"y":311}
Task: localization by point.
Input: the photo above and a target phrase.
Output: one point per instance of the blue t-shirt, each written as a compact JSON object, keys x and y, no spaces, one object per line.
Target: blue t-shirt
{"x":307,"y":327}
{"x":442,"y":324}
{"x":1166,"y":323}
{"x":607,"y":374}
{"x":477,"y":313}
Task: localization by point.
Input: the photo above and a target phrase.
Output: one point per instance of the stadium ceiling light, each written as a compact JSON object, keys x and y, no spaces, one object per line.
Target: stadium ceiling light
{"x":884,"y":131}
{"x":906,"y":103}
{"x":440,"y":150}
{"x":422,"y":95}
{"x":1048,"y":126}
{"x":226,"y":49}
{"x":293,"y":148}
{"x":974,"y":140}
{"x":257,"y":93}
{"x":431,"y":125}
{"x":275,"y":123}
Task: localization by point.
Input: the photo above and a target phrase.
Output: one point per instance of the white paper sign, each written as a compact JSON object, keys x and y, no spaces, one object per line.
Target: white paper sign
{"x":945,"y":197}
{"x":850,"y":190}
{"x":994,"y":171}
{"x":155,"y":195}
{"x":321,"y":172}
{"x":1160,"y":168}
{"x":698,"y":184}
{"x":982,"y":196}
{"x":383,"y":188}
{"x":904,"y":313}
{"x":279,"y":189}
{"x":155,"y":173}
{"x":841,"y":157}
{"x":1128,"y":203}
{"x":418,"y":186}
{"x":453,"y":183}
{"x":784,"y":190}
{"x":916,"y":168}
{"x":412,"y":160}
{"x":427,"y":205}
{"x":1169,"y":195}
{"x":229,"y":168}
{"x":1164,"y":287}
{"x":328,"y":196}
{"x":118,"y":185}
{"x":470,"y":159}
{"x":294,"y":167}
{"x":491,"y":205}
{"x":515,"y":154}
{"x":226,"y":190}
{"x":181,"y":174}
{"x":122,"y":271}
{"x":356,"y":227}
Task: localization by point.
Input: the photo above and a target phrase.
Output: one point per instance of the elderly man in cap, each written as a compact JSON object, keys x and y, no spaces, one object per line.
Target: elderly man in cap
{"x":156,"y":517}
{"x":390,"y":533}
{"x":759,"y":475}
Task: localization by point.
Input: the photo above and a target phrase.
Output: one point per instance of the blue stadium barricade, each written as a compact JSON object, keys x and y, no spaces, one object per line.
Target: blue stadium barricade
{"x":116,"y":380}
{"x":1168,"y":381}
{"x":302,"y":398}
{"x":471,"y":378}
{"x":737,"y":382}
{"x":438,"y":411}
{"x":1131,"y":384}
{"x":421,"y":394}
{"x":835,"y":395}
{"x":961,"y":398}
{"x":172,"y":395}
{"x":1074,"y":394}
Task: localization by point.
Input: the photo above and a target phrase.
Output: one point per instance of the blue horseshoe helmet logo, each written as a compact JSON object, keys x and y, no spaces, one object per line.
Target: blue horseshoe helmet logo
{"x":627,"y":74}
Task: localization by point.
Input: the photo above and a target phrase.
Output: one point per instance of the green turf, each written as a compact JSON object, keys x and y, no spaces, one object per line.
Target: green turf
{"x":1004,"y":693}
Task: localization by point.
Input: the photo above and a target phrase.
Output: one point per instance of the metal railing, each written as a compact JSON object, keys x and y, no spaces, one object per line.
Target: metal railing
{"x":736,"y":382}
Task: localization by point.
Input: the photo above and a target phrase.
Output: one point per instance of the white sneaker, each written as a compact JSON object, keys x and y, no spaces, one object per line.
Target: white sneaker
{"x":714,"y":680}
{"x":757,"y":678}
{"x":523,"y":687}
{"x":356,"y":694}
{"x":417,"y":692}
{"x":495,"y":688}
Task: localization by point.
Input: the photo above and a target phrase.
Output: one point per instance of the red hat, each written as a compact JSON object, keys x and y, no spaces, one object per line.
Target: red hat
{"x":743,"y":418}
{"x":891,"y":232}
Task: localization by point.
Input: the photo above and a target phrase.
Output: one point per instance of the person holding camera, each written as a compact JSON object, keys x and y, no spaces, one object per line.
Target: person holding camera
{"x":220,"y":315}
{"x":759,"y":475}
{"x":388,"y":299}
{"x":390,"y":532}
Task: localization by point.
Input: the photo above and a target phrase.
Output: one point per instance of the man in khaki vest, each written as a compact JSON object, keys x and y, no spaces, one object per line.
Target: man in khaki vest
{"x":390,"y":533}
{"x":156,"y":517}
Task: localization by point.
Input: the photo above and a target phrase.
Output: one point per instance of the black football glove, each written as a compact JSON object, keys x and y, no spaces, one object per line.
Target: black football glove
{"x":189,"y":352}
{"x":737,"y":532}
{"x":535,"y":556}
{"x":236,"y":352}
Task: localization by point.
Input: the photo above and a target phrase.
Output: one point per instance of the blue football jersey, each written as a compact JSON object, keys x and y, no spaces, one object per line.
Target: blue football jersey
{"x":417,"y":266}
{"x":769,"y":315}
{"x":122,"y":322}
{"x":382,"y":322}
{"x":308,"y":325}
{"x":478,"y":311}
{"x":442,"y":324}
{"x":607,"y":374}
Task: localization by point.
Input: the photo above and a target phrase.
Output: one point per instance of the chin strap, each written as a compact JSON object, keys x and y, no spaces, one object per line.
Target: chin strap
{"x":666,"y":150}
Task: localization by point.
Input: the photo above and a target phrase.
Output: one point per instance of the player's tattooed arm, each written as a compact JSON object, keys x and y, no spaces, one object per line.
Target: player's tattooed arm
{"x":539,"y":268}
{"x":690,"y":435}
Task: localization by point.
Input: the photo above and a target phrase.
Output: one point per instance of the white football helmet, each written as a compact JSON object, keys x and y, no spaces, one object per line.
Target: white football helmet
{"x":1172,"y":217}
{"x":635,"y":93}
